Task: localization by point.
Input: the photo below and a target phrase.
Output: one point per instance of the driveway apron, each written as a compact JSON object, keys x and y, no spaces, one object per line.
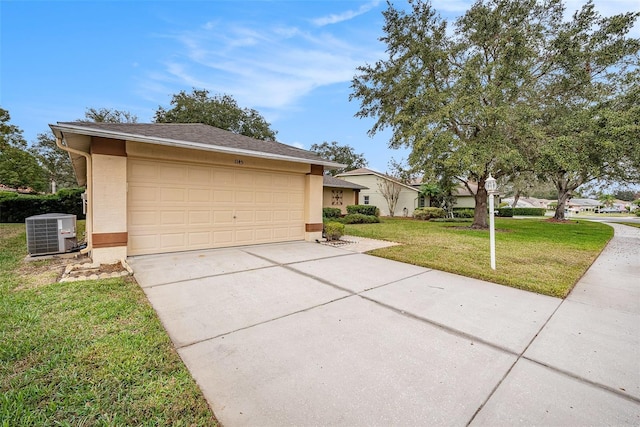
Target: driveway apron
{"x":306,"y":334}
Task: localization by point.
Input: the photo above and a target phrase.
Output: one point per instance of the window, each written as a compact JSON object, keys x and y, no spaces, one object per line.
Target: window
{"x":336,"y":197}
{"x":366,"y":200}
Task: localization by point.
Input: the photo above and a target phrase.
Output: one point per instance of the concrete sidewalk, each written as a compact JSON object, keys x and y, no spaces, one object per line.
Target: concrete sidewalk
{"x":306,"y":334}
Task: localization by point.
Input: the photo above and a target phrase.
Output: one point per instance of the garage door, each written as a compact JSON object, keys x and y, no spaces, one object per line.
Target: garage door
{"x":177,"y":206}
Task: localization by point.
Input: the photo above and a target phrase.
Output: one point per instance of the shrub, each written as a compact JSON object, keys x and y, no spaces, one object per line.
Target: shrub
{"x":637,"y":212}
{"x":451,"y":220}
{"x":504,"y":212}
{"x":357,"y":218}
{"x":331,"y":212}
{"x":4,"y":195}
{"x":333,"y":230}
{"x":16,"y":209}
{"x":463,"y":213}
{"x":427,"y":213}
{"x":363,"y":209}
{"x":509,"y":212}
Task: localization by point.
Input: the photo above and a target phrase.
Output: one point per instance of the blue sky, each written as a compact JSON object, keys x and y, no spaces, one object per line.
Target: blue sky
{"x":293,"y":61}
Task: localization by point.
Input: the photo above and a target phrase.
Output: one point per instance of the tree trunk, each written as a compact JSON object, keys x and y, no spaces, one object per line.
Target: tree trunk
{"x":480,"y":212}
{"x":563,"y":196}
{"x":516,"y":197}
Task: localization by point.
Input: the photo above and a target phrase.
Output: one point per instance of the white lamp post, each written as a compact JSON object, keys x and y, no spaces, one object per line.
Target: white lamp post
{"x":491,"y":186}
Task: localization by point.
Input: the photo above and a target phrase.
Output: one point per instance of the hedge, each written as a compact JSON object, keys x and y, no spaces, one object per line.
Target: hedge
{"x":331,"y":212}
{"x":359,"y":219}
{"x":463,"y":213}
{"x":16,"y":209}
{"x":363,"y":209}
{"x":509,"y":212}
{"x":427,"y":213}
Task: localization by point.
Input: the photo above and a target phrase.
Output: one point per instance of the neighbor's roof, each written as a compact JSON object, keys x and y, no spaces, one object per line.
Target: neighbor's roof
{"x":329,"y":181}
{"x":196,"y":136}
{"x":365,"y":171}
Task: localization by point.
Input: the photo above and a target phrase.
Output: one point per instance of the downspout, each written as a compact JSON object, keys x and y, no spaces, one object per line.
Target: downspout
{"x":89,"y":189}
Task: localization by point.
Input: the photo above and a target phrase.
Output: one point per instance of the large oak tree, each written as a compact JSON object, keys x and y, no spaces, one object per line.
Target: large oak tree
{"x":469,"y":100}
{"x":221,"y":111}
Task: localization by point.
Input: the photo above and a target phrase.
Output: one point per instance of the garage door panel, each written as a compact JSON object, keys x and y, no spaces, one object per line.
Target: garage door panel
{"x":173,"y":218}
{"x":199,"y":217}
{"x":223,"y":196}
{"x":244,"y":197}
{"x":176,"y":207}
{"x":199,"y":175}
{"x":198,"y":195}
{"x":199,"y":239}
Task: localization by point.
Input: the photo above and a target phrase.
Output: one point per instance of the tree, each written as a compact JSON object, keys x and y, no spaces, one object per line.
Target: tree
{"x":588,"y":104}
{"x":221,"y":111}
{"x":390,"y":190}
{"x":55,"y":162}
{"x":343,"y":154}
{"x":626,"y":195}
{"x":108,"y":115}
{"x":18,"y":168}
{"x":459,"y":99}
{"x":607,"y":200}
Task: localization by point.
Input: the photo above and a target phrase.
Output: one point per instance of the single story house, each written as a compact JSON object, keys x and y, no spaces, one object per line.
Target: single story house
{"x":408,"y":198}
{"x":167,"y":187}
{"x":339,"y":193}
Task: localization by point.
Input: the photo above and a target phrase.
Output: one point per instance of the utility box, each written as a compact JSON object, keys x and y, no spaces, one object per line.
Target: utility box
{"x":52,"y":233}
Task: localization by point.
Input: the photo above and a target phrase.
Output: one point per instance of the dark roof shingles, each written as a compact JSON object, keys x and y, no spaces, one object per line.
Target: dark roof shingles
{"x":202,"y":134}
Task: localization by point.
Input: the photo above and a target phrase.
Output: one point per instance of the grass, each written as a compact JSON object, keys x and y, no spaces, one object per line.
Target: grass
{"x":531,"y":254}
{"x":630,"y":224}
{"x":85,"y":353}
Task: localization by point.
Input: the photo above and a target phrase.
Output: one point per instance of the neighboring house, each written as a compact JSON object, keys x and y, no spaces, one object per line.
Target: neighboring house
{"x":339,"y":193}
{"x":408,"y":199}
{"x":168,"y":187}
{"x":582,"y":205}
{"x":464,"y":197}
{"x":528,"y":202}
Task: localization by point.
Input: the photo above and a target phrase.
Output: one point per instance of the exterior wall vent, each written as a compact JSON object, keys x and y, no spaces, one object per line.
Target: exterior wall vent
{"x":52,"y":233}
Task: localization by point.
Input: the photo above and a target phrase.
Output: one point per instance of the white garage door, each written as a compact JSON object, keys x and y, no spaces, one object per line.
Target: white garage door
{"x":177,"y":206}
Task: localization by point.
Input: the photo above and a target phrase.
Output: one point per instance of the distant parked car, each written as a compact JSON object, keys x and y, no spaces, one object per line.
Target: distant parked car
{"x":609,"y":210}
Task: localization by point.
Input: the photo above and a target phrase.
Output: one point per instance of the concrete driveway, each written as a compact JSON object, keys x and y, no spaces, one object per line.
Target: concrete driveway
{"x":306,"y":334}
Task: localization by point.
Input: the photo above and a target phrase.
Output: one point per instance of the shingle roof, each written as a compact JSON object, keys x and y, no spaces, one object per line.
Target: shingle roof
{"x":329,"y":181}
{"x":195,"y":135}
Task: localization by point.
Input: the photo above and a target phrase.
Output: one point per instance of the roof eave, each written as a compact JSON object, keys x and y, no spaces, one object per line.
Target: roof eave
{"x":58,"y":128}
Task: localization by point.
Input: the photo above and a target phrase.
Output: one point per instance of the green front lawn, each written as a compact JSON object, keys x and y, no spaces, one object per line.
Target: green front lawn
{"x":85,"y":353}
{"x":532,"y":254}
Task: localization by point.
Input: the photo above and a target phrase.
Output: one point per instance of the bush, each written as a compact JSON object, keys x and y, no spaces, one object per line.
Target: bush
{"x":504,"y":212}
{"x":333,"y":230}
{"x":637,"y":212}
{"x":16,"y":209}
{"x":463,"y":213}
{"x":360,"y":219}
{"x":509,"y":212}
{"x":467,"y":220}
{"x":331,"y":212}
{"x":427,"y":213}
{"x":363,"y":209}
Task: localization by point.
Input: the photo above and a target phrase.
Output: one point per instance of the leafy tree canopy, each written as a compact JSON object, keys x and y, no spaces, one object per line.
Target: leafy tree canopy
{"x":108,"y":115}
{"x":343,"y":154}
{"x":221,"y":111}
{"x":470,"y":101}
{"x":18,"y":168}
{"x":55,"y":162}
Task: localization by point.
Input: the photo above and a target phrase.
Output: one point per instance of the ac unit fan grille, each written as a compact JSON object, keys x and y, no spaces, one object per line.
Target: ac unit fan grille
{"x":43,"y":235}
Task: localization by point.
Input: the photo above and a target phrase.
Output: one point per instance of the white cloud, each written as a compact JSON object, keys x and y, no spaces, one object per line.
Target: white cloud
{"x":262,"y":67}
{"x":344,"y":16}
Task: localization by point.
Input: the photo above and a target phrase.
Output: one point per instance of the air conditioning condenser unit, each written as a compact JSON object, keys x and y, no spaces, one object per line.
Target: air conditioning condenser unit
{"x":51,"y":233}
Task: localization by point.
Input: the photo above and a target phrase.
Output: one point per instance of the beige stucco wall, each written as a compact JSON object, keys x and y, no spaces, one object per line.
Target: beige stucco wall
{"x":108,"y":211}
{"x":408,"y":197}
{"x":109,"y":193}
{"x":465,"y":202}
{"x":348,"y":198}
{"x":150,"y":151}
{"x":313,"y":205}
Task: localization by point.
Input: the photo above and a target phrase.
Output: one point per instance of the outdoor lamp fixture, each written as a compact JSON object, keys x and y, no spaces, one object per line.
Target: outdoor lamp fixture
{"x":491,"y":186}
